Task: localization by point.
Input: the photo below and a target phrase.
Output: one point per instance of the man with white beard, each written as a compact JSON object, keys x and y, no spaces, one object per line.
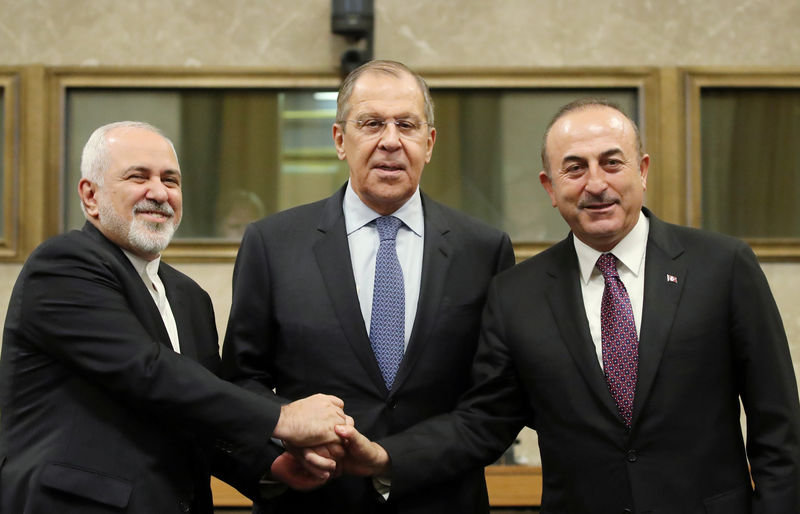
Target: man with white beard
{"x":108,"y":391}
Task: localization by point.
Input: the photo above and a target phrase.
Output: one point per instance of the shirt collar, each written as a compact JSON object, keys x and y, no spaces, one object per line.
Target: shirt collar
{"x":143,"y":267}
{"x":357,"y":213}
{"x":630,"y":251}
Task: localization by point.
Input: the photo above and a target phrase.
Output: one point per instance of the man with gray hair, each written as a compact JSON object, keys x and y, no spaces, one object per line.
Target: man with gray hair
{"x":108,"y":391}
{"x":373,"y":294}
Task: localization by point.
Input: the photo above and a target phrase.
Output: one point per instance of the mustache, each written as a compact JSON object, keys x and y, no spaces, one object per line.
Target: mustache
{"x":590,"y":200}
{"x":153,"y":206}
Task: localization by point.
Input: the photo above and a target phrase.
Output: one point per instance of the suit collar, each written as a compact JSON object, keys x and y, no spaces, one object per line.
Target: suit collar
{"x":357,"y":213}
{"x":629,"y":252}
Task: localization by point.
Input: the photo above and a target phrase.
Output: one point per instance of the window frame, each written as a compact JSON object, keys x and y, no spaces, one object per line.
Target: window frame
{"x":645,"y":80}
{"x":63,"y":79}
{"x":697,"y":78}
{"x":10,"y":79}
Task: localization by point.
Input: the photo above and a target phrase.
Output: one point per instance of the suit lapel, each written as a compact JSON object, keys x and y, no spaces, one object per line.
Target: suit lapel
{"x":435,"y":264}
{"x":333,"y":258}
{"x":665,"y":276}
{"x":565,"y":297}
{"x":141,"y":301}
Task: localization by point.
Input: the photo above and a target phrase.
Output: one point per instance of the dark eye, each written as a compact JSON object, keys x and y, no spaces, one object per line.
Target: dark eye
{"x":573,"y":168}
{"x":406,"y":125}
{"x":372,"y":124}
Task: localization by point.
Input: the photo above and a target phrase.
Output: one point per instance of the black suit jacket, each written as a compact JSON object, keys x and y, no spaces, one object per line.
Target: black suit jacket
{"x":706,"y":341}
{"x":296,"y":325}
{"x":99,"y":414}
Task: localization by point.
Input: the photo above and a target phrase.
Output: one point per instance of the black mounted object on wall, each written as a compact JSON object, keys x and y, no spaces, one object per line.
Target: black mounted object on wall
{"x":354,"y":19}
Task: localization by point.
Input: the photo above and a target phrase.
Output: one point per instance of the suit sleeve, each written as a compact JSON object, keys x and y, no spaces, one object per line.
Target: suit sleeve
{"x":246,"y":353}
{"x":486,"y":421}
{"x":73,"y":308}
{"x":768,"y":389}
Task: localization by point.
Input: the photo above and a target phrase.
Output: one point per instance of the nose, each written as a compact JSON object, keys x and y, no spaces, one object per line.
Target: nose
{"x":390,"y":137}
{"x":596,"y":179}
{"x":156,"y":190}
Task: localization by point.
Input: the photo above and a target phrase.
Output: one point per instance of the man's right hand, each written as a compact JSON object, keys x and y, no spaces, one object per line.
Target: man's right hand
{"x":310,"y":421}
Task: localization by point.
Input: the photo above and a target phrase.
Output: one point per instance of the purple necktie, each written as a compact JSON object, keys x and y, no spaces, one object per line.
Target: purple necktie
{"x":620,"y":344}
{"x":388,"y":318}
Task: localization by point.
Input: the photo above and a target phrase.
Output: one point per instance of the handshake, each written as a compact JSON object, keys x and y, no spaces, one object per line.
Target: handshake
{"x":322,"y":442}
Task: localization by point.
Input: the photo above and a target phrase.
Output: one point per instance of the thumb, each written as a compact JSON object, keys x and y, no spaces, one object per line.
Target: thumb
{"x":344,"y":431}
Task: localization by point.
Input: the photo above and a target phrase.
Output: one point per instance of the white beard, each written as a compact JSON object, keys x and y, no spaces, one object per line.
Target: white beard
{"x":147,"y":237}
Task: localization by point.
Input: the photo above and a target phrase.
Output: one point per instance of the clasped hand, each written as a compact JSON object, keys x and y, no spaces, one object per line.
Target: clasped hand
{"x":321,"y":443}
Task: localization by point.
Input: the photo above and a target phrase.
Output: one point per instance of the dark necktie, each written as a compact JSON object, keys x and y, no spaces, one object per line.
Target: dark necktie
{"x":388,"y":318}
{"x":620,"y":344}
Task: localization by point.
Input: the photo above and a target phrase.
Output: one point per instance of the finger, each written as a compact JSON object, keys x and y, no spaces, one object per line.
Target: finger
{"x":349,"y":420}
{"x":335,"y":451}
{"x":336,"y":401}
{"x":315,"y":462}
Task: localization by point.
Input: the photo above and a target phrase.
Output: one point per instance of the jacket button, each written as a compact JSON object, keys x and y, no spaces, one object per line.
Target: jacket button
{"x":632,"y":456}
{"x":627,"y":511}
{"x":393,"y":403}
{"x":185,"y":507}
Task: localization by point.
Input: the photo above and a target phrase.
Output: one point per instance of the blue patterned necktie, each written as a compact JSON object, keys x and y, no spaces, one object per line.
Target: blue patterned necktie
{"x":620,"y":343}
{"x":388,"y":318}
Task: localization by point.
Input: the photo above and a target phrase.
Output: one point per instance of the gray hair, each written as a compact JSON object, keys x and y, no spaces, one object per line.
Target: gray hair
{"x":393,"y":68}
{"x":583,"y":104}
{"x":95,"y":158}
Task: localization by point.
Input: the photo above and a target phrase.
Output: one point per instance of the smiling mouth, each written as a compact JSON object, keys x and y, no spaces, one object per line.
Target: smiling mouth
{"x":155,"y":215}
{"x":598,"y":206}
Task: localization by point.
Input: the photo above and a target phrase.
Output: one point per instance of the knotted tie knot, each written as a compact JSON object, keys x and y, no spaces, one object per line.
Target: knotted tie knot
{"x":607,"y":264}
{"x":388,"y":227}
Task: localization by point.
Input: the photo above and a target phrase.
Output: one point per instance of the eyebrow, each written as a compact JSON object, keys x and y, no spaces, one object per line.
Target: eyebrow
{"x":607,"y":153}
{"x":142,"y":167}
{"x":373,"y":114}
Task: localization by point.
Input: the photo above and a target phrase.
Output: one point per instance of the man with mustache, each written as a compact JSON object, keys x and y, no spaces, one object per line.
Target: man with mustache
{"x":373,"y":294}
{"x":628,"y":346}
{"x":108,"y":391}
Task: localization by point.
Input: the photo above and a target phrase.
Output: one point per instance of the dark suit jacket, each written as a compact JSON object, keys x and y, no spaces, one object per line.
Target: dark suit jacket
{"x":99,"y":415}
{"x":296,"y":325}
{"x":706,"y":341}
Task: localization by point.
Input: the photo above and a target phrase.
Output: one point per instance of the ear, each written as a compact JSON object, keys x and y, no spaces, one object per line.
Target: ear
{"x":429,"y":145}
{"x":87,"y":190}
{"x":544,"y":178}
{"x":644,"y":165}
{"x":338,"y":141}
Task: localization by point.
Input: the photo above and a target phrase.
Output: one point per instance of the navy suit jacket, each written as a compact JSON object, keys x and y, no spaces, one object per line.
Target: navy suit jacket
{"x":99,"y":414}
{"x":296,"y":326}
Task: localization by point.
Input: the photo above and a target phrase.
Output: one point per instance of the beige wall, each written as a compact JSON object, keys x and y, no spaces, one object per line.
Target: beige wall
{"x":421,"y":33}
{"x":425,"y":34}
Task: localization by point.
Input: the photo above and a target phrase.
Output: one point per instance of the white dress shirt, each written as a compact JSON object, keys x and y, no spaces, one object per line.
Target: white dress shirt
{"x":363,"y":240}
{"x":148,"y":271}
{"x":630,"y":254}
